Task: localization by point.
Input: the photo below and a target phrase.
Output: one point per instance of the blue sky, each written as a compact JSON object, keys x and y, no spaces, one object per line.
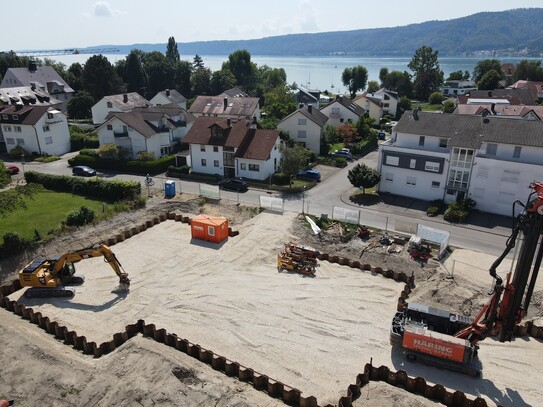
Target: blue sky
{"x":43,"y":25}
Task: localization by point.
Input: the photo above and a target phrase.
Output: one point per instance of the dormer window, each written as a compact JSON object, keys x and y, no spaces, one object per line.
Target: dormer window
{"x":50,"y":116}
{"x":15,"y":117}
{"x":5,"y":116}
{"x":109,"y":105}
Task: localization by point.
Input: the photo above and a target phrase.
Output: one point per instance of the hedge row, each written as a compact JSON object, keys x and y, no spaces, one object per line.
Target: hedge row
{"x":112,"y":190}
{"x":134,"y":166}
{"x":79,"y":141}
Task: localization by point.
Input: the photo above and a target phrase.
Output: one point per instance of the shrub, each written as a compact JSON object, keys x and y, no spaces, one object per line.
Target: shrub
{"x":13,"y":243}
{"x":280,"y":179}
{"x":80,"y":217}
{"x":17,"y":151}
{"x":80,"y":140}
{"x":341,"y":162}
{"x":177,"y":171}
{"x":435,"y":207}
{"x":436,"y":98}
{"x":145,"y":156}
{"x":110,"y":151}
{"x":91,"y":152}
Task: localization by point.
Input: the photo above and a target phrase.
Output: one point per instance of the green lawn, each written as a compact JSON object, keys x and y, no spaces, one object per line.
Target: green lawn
{"x":45,"y":212}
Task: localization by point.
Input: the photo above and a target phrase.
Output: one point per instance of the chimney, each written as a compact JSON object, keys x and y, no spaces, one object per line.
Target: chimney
{"x":489,"y":93}
{"x":492,"y":108}
{"x":228,"y":122}
{"x":301,"y":105}
{"x":253,"y":124}
{"x":337,"y":96}
{"x":225,"y":103}
{"x":168,"y":92}
{"x":310,"y":109}
{"x":32,"y":66}
{"x":416,"y":113}
{"x":125,"y":98}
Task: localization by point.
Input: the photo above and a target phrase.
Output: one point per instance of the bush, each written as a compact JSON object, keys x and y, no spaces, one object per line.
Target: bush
{"x":341,"y":162}
{"x":435,"y":207}
{"x":436,"y":98}
{"x":13,"y":243}
{"x":177,"y":171}
{"x":145,"y":156}
{"x":280,"y":179}
{"x":17,"y":151}
{"x":459,"y":211}
{"x":135,"y":166}
{"x":81,"y":140}
{"x":80,"y":217}
{"x":91,"y":152}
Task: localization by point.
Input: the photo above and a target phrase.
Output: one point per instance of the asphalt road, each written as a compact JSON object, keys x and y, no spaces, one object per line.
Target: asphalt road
{"x":320,"y":200}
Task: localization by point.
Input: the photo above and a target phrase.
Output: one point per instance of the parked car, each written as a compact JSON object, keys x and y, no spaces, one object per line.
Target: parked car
{"x":381,"y":135}
{"x":234,"y":184}
{"x":345,"y":150}
{"x":309,"y":174}
{"x":83,"y":171}
{"x":13,"y":169}
{"x":343,"y":154}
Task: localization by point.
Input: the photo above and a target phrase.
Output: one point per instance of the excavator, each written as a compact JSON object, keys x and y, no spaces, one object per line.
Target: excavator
{"x":441,"y":338}
{"x":54,"y":277}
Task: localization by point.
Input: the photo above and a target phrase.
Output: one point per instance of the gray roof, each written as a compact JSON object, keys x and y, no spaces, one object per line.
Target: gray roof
{"x":349,"y":104}
{"x":173,"y":96}
{"x":133,"y":100}
{"x":42,"y":75}
{"x":236,"y":106}
{"x":470,"y":131}
{"x":525,"y":96}
{"x":27,"y":96}
{"x":234,"y":93}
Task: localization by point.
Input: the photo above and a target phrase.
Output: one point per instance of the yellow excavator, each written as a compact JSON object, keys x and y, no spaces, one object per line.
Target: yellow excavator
{"x":53,"y":277}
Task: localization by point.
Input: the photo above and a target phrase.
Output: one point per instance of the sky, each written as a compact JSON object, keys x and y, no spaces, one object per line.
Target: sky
{"x":45,"y":25}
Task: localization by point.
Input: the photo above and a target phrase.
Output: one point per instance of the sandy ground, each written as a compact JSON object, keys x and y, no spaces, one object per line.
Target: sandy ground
{"x":314,"y":334}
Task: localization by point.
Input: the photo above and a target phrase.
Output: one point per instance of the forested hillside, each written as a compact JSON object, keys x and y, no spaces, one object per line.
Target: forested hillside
{"x":516,"y":32}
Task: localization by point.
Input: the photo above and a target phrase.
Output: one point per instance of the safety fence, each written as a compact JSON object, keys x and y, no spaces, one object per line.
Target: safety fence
{"x":259,"y":381}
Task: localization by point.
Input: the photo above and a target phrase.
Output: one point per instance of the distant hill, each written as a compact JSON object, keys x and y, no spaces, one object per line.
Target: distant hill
{"x":516,"y":32}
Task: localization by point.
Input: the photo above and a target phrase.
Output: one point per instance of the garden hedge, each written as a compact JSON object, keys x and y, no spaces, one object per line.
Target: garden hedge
{"x":111,"y":190}
{"x":133,"y":166}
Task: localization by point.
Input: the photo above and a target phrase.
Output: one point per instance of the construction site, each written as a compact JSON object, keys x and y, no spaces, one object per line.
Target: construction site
{"x":271,"y":315}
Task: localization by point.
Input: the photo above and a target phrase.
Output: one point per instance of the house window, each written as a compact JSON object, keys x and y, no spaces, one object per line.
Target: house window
{"x":202,"y":148}
{"x":391,"y":160}
{"x":478,"y":192}
{"x":17,"y":129}
{"x":215,"y":163}
{"x":243,"y":166}
{"x":109,"y":105}
{"x":7,"y":128}
{"x":21,"y":141}
{"x":110,"y":127}
{"x":215,"y":149}
{"x":411,"y":181}
{"x":50,"y":115}
{"x":462,"y":157}
{"x":254,"y":167}
{"x":335,"y":110}
{"x":204,"y":162}
{"x":48,"y":140}
{"x":431,"y":166}
{"x":516,"y":153}
{"x":458,"y":179}
{"x":443,"y":142}
{"x":46,"y":128}
{"x":302,"y":134}
{"x":341,"y":120}
{"x":15,"y":117}
{"x":5,"y":116}
{"x":389,"y":177}
{"x":435,"y":184}
{"x":482,"y":172}
{"x":510,"y":176}
{"x":386,"y":105}
{"x":10,"y":140}
{"x":302,"y":122}
{"x":211,"y":231}
{"x":412,"y":163}
{"x":421,"y":140}
{"x":491,"y":149}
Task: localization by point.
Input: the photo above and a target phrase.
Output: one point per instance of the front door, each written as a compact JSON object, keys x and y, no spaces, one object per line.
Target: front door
{"x":229,"y":172}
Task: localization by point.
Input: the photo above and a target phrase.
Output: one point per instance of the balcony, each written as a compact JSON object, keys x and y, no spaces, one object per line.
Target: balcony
{"x":120,"y":134}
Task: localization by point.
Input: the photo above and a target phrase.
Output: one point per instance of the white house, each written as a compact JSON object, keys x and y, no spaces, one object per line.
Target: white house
{"x":226,"y":107}
{"x":390,"y":100}
{"x":305,"y":126}
{"x":43,"y":79}
{"x":491,"y":160}
{"x":117,"y":103}
{"x":152,"y":129}
{"x":373,"y":105}
{"x":341,"y":111}
{"x":169,"y":96}
{"x":38,"y":130}
{"x":25,"y":95}
{"x":232,"y":148}
{"x":457,"y":87}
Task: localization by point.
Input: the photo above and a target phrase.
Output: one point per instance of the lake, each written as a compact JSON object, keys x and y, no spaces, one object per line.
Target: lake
{"x":322,"y":73}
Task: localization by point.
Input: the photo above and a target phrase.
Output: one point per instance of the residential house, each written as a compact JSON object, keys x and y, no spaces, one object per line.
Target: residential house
{"x":43,"y":79}
{"x":124,"y":102}
{"x":231,"y":148}
{"x":341,"y":111}
{"x":515,"y":96}
{"x":390,"y":101}
{"x":511,"y":111}
{"x":373,"y":105}
{"x":226,"y":107}
{"x":38,"y":130}
{"x":146,"y":129}
{"x":234,"y":93}
{"x":24,"y":95}
{"x":535,"y":87}
{"x":457,"y":87}
{"x":305,"y":126}
{"x":169,"y":96}
{"x":308,"y":97}
{"x":491,"y":160}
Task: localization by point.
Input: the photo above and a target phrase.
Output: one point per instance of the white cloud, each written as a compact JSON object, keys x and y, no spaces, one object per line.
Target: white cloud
{"x":104,"y":9}
{"x":309,"y":17}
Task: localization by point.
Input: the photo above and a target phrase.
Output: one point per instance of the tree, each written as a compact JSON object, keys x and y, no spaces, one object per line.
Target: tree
{"x":245,"y":71}
{"x":490,"y":80}
{"x":279,"y":102}
{"x":110,"y":152}
{"x":363,"y":176}
{"x":221,"y":81}
{"x":383,"y":73}
{"x":160,"y":72}
{"x":436,"y":98}
{"x":486,"y":65}
{"x":448,"y":106}
{"x":458,"y":76}
{"x":346,"y":132}
{"x":172,"y":53}
{"x":404,"y":104}
{"x":399,"y":82}
{"x":134,"y":75}
{"x":428,"y":75}
{"x":364,"y":126}
{"x":355,"y":79}
{"x":99,"y":78}
{"x":293,"y":159}
{"x":79,"y":107}
{"x":198,"y":62}
{"x":330,"y":134}
{"x":268,"y":79}
{"x":528,"y":71}
{"x":200,"y":81}
{"x":373,"y":86}
{"x":73,"y":76}
{"x":182,"y":74}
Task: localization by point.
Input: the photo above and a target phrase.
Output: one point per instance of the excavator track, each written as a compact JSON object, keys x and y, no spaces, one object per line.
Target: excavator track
{"x":59,"y":292}
{"x":75,"y":280}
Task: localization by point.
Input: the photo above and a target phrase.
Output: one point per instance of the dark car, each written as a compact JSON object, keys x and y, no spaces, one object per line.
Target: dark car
{"x":83,"y":171}
{"x":309,"y":174}
{"x":234,"y":184}
{"x":13,"y":169}
{"x":342,"y":154}
{"x":381,"y":135}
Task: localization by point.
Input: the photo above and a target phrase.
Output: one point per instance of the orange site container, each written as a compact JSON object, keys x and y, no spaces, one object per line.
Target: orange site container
{"x":211,"y":228}
{"x":435,"y":344}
